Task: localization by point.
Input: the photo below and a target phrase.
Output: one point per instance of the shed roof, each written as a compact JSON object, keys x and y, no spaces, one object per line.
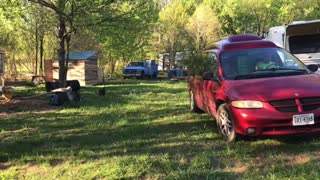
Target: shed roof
{"x":84,"y":55}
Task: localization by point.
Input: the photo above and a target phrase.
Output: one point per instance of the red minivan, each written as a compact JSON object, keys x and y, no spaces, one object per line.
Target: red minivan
{"x":257,"y":89}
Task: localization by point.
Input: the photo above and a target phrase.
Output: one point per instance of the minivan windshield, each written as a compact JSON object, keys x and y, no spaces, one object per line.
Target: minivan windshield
{"x":260,"y":63}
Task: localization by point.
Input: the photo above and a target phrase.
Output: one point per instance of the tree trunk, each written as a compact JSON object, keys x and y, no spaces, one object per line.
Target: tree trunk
{"x":172,"y":59}
{"x":111,"y":65}
{"x":15,"y":68}
{"x":41,"y":36}
{"x":68,"y":38}
{"x":62,"y":52}
{"x":41,"y":54}
{"x":37,"y":51}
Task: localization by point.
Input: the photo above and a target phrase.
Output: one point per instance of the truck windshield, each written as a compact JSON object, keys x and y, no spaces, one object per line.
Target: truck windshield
{"x":136,"y":64}
{"x":304,"y":44}
{"x":260,"y":63}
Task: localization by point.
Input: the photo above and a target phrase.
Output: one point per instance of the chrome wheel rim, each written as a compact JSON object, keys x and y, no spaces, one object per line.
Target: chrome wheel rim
{"x":225,"y":123}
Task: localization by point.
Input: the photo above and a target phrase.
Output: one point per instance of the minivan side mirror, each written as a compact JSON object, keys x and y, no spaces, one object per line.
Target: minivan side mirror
{"x":207,"y":76}
{"x":313,"y":67}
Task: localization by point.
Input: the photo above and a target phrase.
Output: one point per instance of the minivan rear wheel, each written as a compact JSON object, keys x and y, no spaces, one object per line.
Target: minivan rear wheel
{"x":225,"y":123}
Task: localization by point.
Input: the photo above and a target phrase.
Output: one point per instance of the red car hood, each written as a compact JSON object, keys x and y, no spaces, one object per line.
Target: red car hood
{"x":274,"y":88}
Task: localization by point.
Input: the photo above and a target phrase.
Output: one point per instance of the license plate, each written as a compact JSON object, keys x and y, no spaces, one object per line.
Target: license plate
{"x":303,"y":119}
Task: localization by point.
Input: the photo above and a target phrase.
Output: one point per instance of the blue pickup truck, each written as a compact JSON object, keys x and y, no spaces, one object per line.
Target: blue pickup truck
{"x":140,"y":69}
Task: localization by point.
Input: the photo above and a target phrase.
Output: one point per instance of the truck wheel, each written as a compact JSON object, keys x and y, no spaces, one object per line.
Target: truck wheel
{"x":225,"y":124}
{"x":193,"y":105}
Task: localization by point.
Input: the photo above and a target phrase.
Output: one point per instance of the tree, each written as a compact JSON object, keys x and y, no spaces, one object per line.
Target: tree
{"x":128,"y":41}
{"x":293,"y":10}
{"x":173,"y":35}
{"x":16,"y":34}
{"x":74,"y":14}
{"x":203,"y":27}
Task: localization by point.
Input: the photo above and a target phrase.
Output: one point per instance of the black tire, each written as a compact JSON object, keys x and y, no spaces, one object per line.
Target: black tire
{"x":57,"y":99}
{"x":225,"y":124}
{"x":75,"y":85}
{"x":51,"y":86}
{"x":142,"y":75}
{"x":193,"y":105}
{"x":77,"y":96}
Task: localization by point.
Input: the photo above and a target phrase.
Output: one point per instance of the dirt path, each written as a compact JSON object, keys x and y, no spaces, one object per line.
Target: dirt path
{"x":33,"y":104}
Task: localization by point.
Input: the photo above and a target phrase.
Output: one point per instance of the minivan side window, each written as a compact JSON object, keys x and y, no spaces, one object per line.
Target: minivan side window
{"x":214,"y":63}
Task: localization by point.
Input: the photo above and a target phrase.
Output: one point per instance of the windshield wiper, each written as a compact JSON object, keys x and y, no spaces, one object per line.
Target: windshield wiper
{"x":275,"y":73}
{"x":247,"y":76}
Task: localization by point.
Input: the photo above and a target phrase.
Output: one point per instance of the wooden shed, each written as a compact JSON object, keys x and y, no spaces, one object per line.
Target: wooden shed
{"x":83,"y":66}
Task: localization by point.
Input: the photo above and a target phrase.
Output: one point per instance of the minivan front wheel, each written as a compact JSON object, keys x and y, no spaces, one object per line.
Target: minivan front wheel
{"x":225,"y":123}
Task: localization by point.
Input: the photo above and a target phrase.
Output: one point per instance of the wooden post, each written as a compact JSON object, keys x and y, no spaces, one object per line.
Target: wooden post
{"x":2,"y":81}
{"x":100,"y":75}
{"x":48,"y":69}
{"x":2,"y":69}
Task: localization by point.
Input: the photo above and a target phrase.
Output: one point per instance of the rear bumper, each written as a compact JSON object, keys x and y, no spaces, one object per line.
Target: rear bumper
{"x":270,"y":122}
{"x":131,"y":75}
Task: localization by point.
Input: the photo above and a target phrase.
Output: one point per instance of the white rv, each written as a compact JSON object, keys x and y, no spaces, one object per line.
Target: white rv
{"x":301,"y":38}
{"x":276,"y":35}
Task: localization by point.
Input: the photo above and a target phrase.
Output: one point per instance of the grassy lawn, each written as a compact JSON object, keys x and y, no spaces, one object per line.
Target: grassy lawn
{"x":141,"y":130}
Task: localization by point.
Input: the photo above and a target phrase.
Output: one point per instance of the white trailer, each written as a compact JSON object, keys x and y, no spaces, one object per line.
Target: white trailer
{"x":301,"y":38}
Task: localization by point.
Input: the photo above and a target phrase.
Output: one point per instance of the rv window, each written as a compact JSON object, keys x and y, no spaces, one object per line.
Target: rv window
{"x":304,"y":44}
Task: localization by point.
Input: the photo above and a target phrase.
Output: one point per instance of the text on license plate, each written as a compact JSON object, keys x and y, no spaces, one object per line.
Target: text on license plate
{"x":303,"y":119}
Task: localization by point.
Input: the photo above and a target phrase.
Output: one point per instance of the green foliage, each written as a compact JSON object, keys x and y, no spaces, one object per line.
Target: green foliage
{"x":186,"y":26}
{"x":122,"y":43}
{"x":19,"y":22}
{"x":255,"y":16}
{"x":122,"y":31}
{"x":172,"y":23}
{"x":198,"y":63}
{"x":202,"y":27}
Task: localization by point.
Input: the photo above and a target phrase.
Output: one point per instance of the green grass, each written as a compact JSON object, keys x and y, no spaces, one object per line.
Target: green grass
{"x":141,"y":130}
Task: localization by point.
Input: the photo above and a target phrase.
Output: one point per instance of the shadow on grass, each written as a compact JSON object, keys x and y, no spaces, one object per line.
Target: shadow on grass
{"x":129,"y":89}
{"x":28,"y":133}
{"x":132,"y":120}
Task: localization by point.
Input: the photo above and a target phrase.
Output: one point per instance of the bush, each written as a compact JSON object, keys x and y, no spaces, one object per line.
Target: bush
{"x":198,"y":63}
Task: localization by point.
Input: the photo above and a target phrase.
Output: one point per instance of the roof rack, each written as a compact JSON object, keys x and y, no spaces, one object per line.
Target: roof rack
{"x":238,"y":42}
{"x":243,"y":37}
